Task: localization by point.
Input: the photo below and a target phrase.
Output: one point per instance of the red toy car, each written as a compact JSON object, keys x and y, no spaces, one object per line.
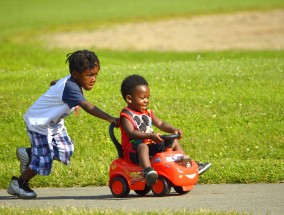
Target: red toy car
{"x":174,"y":170}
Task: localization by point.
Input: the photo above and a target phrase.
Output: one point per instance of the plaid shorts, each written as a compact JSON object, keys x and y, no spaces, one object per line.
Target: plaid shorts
{"x":46,"y":148}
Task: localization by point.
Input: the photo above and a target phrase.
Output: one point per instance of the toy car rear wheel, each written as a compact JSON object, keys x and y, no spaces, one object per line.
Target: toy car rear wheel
{"x":119,"y":187}
{"x":161,"y":187}
{"x":143,"y":192}
{"x":179,"y":190}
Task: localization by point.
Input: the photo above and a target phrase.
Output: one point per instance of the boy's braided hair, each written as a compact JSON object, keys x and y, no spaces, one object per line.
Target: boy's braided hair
{"x":82,"y":60}
{"x":129,"y":84}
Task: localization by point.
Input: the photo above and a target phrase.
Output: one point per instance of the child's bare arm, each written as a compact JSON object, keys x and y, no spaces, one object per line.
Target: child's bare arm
{"x":165,"y":126}
{"x":95,"y":111}
{"x":138,"y":135}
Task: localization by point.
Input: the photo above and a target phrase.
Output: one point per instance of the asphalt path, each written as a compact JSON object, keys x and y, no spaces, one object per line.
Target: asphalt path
{"x":252,"y":198}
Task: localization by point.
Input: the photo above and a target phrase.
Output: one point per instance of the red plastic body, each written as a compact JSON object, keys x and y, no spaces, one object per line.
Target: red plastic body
{"x":182,"y":173}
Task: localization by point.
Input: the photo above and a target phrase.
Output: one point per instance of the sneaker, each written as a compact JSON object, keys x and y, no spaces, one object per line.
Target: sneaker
{"x":24,"y":156}
{"x":203,"y":167}
{"x":20,"y":188}
{"x":151,"y":176}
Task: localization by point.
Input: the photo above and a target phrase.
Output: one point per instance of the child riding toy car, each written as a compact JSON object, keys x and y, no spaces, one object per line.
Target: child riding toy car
{"x":174,"y":170}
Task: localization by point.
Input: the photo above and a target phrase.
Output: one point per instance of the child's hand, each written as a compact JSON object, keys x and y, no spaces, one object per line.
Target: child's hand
{"x":156,"y":138}
{"x":178,"y":131}
{"x":116,"y":122}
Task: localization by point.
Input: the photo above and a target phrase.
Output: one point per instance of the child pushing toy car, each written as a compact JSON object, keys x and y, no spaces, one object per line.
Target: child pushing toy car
{"x":45,"y":121}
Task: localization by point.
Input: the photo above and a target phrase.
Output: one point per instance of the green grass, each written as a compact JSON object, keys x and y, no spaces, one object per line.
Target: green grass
{"x":75,"y":211}
{"x":229,"y":104}
{"x":21,"y":16}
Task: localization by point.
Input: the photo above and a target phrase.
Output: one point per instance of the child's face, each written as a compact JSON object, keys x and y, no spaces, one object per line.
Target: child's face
{"x":139,"y":100}
{"x":87,"y":78}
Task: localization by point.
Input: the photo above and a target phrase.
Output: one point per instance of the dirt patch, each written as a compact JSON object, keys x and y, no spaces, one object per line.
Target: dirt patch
{"x":248,"y":30}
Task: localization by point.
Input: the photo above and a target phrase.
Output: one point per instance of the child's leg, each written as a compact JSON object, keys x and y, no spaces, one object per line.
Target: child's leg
{"x":177,"y":147}
{"x":143,"y":155}
{"x":144,"y":151}
{"x":28,"y":174}
{"x":62,"y":147}
{"x":41,"y":161}
{"x":41,"y":158}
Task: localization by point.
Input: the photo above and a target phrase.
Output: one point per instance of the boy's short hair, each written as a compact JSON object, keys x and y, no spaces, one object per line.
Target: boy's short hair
{"x":82,"y":60}
{"x":129,"y":83}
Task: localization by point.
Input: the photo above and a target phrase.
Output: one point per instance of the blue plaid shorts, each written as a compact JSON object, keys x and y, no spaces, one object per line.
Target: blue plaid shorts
{"x":46,"y":148}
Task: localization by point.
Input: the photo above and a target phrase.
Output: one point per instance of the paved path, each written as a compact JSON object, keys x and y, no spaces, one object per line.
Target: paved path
{"x":253,"y":198}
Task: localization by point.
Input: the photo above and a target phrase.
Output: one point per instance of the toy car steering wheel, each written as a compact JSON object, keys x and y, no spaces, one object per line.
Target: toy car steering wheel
{"x":169,"y":139}
{"x":170,"y":136}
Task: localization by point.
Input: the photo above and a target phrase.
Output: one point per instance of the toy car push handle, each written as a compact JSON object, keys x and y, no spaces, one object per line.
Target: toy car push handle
{"x":115,"y":141}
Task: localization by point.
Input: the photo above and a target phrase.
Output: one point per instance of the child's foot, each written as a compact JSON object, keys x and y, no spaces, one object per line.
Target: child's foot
{"x":203,"y":167}
{"x":20,"y":188}
{"x":151,"y":176}
{"x":24,"y":156}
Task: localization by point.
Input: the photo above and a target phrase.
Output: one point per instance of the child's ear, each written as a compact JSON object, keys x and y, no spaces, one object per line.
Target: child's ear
{"x":74,"y":74}
{"x":128,"y":98}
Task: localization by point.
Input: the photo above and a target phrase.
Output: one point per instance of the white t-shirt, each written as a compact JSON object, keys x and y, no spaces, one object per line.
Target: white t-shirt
{"x":46,"y":115}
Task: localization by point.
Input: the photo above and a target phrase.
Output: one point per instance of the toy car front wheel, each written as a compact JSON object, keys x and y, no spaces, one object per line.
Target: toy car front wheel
{"x":119,"y":187}
{"x":143,"y":192}
{"x":179,"y":190}
{"x":161,"y":187}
